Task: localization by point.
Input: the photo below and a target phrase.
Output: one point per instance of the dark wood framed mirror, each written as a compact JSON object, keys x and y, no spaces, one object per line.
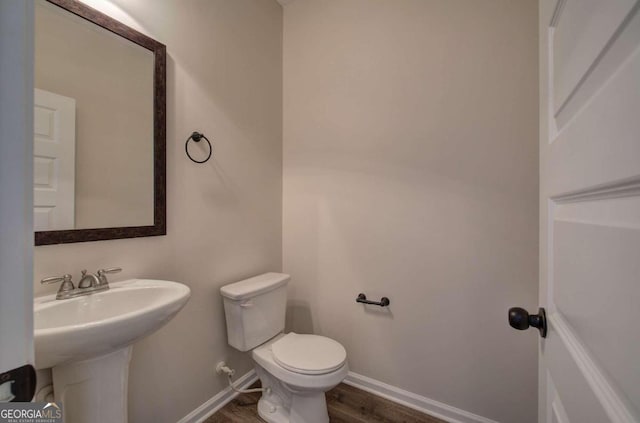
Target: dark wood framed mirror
{"x":102,"y":85}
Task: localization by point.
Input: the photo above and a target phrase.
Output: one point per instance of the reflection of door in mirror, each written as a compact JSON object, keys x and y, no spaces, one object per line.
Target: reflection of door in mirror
{"x":54,"y":147}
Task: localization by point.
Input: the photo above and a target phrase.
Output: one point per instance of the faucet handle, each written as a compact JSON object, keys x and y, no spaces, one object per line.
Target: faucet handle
{"x":53,"y":279}
{"x":65,"y":288}
{"x":102,"y":274}
{"x":110,"y":270}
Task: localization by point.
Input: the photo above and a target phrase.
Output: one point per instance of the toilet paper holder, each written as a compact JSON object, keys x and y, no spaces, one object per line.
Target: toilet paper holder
{"x":384,"y":301}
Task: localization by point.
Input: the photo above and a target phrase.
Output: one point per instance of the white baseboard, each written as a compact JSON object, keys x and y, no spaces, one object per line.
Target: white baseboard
{"x":218,"y":401}
{"x":414,"y":401}
{"x":381,"y":389}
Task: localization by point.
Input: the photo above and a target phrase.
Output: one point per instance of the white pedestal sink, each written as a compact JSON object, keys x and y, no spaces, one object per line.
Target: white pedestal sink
{"x":87,"y":342}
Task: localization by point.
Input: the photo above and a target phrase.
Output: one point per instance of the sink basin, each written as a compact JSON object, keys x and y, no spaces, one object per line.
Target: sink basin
{"x":87,"y":343}
{"x":92,"y":325}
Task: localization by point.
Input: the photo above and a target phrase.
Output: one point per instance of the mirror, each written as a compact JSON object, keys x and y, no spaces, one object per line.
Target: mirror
{"x":99,"y":127}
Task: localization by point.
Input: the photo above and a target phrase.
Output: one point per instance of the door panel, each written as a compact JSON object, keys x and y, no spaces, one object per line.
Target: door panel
{"x":601,"y":313}
{"x":582,"y":30}
{"x":590,"y":210}
{"x":611,"y":116}
{"x":604,"y":35}
{"x":573,"y":394}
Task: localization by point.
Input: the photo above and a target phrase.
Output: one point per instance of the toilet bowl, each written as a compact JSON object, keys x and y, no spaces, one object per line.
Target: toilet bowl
{"x":297,"y":394}
{"x":295,"y":369}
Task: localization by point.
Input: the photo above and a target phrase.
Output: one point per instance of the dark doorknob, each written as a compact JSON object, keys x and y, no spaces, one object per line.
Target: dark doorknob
{"x":521,"y":320}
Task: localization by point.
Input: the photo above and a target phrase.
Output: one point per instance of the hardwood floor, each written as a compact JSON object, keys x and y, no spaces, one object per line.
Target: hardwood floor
{"x":346,"y":404}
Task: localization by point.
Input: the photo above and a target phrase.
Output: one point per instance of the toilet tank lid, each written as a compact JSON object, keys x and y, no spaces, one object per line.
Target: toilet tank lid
{"x":254,"y":286}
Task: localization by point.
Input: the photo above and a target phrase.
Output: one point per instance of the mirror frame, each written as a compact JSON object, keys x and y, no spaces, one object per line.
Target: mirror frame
{"x":159,"y":226}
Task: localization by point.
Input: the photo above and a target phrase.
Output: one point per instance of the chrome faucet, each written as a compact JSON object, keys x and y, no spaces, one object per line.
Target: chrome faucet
{"x":89,"y":283}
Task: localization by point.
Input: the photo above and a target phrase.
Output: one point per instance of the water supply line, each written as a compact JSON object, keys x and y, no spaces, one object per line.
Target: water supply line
{"x":222,"y":367}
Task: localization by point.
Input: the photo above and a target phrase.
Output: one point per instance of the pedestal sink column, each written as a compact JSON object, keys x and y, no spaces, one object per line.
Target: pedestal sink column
{"x":94,"y":390}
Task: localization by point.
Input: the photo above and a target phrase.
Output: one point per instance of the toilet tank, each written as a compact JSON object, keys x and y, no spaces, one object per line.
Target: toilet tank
{"x":254,"y":309}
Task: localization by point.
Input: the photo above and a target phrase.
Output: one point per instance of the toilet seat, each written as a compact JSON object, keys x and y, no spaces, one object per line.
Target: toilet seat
{"x":308,"y":354}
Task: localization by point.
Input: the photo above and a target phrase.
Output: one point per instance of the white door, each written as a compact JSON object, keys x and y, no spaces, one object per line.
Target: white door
{"x":54,"y":123}
{"x":590,"y":210}
{"x":16,"y":185}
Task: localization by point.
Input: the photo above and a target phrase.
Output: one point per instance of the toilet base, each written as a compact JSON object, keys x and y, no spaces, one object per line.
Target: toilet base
{"x":271,"y":413}
{"x":282,"y":404}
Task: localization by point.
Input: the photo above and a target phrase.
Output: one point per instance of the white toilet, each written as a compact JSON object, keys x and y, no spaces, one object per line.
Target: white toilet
{"x":298,"y":369}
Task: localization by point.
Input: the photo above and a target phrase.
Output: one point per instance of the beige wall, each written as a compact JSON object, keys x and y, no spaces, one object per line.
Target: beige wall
{"x":111,"y":80}
{"x":410,"y":171}
{"x":224,"y":218}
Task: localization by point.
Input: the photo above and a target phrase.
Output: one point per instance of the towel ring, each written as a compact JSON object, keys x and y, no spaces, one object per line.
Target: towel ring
{"x":197,"y":136}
